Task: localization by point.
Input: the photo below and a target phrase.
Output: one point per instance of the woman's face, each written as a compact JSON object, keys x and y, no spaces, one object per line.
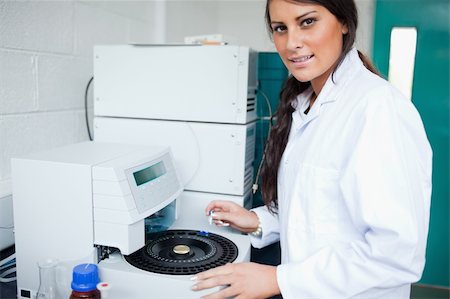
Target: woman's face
{"x":308,"y":38}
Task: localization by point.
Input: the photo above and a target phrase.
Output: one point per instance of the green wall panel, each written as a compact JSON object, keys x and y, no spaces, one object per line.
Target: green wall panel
{"x":271,"y":74}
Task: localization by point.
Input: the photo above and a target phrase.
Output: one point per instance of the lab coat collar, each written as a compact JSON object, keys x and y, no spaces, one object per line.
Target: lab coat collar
{"x":343,"y":74}
{"x":330,"y":91}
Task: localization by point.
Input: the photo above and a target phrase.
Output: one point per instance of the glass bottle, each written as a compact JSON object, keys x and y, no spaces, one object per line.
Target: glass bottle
{"x":47,"y":280}
{"x":84,"y":282}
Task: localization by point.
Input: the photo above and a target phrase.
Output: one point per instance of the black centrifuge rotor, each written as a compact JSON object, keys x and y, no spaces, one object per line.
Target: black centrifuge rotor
{"x":183,"y":252}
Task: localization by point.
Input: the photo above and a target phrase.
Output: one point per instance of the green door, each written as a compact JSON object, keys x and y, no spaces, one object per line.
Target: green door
{"x":430,"y":94}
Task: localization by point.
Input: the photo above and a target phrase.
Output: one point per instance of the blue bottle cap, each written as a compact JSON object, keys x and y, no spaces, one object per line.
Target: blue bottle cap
{"x":85,"y":277}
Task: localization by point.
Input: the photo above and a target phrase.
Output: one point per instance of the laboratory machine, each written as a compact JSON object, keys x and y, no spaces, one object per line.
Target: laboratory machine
{"x":176,"y":82}
{"x":198,"y":100}
{"x":211,"y":157}
{"x":123,"y":207}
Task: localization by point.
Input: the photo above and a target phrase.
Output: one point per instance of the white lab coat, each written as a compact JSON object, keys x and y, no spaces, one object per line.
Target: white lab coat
{"x":354,"y":188}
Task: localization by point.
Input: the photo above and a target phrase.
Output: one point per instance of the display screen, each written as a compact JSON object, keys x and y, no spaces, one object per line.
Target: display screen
{"x":150,"y":173}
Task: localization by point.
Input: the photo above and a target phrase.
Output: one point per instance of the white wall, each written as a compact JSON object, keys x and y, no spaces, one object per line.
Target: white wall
{"x":243,"y":20}
{"x":366,"y":18}
{"x":187,"y":17}
{"x":45,"y":64}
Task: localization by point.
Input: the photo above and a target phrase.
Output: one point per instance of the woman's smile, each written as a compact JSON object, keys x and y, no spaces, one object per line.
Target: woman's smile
{"x":301,"y":60}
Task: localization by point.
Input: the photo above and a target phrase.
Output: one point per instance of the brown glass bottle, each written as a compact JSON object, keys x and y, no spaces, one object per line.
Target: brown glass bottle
{"x":94,"y":294}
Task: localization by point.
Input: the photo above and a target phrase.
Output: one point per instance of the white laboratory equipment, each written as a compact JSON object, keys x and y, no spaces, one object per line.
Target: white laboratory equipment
{"x":88,"y":203}
{"x":198,"y":100}
{"x":210,"y":157}
{"x":176,"y":82}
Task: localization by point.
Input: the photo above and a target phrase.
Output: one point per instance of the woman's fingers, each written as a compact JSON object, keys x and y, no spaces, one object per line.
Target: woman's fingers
{"x":223,"y":216}
{"x":217,"y":277}
{"x":227,"y":292}
{"x":240,"y":280}
{"x":218,"y":280}
{"x":222,"y":270}
{"x":219,"y":205}
{"x":221,"y":223}
{"x":228,"y":213}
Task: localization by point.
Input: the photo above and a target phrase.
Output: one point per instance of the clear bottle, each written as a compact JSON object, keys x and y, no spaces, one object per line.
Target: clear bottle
{"x":84,"y":282}
{"x":47,"y":280}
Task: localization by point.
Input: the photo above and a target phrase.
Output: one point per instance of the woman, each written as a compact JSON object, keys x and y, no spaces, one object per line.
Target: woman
{"x":347,"y":176}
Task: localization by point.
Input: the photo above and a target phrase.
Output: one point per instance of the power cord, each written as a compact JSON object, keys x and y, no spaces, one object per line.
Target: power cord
{"x":86,"y":108}
{"x":255,"y":185}
{"x":9,"y":264}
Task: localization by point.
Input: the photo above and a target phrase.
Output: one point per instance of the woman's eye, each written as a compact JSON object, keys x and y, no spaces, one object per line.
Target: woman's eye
{"x":308,"y":22}
{"x":279,"y":29}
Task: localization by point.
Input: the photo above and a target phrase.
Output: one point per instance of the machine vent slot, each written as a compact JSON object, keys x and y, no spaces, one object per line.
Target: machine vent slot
{"x":249,"y":153}
{"x":249,"y":156}
{"x":250,"y":146}
{"x":248,"y":201}
{"x":248,"y":177}
{"x":251,"y":104}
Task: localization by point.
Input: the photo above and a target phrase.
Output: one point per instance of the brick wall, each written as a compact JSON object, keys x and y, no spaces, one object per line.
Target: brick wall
{"x":45,"y":63}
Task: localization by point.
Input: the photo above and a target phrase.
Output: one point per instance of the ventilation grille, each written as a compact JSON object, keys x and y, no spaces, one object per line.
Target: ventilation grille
{"x":250,"y":146}
{"x":249,"y":156}
{"x":251,"y":104}
{"x":248,"y":177}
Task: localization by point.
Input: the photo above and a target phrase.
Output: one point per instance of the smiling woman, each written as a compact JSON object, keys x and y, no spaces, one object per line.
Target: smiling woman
{"x":348,"y":203}
{"x":308,"y":39}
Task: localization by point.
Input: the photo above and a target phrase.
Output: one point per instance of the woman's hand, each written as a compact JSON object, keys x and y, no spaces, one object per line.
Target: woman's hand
{"x":242,"y":280}
{"x":233,"y":214}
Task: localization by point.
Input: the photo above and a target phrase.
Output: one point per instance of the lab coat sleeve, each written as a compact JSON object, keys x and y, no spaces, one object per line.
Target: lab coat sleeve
{"x":270,"y":228}
{"x":386,"y":188}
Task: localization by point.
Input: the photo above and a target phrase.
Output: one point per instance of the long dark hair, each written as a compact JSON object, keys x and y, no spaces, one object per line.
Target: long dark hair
{"x":345,"y":11}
